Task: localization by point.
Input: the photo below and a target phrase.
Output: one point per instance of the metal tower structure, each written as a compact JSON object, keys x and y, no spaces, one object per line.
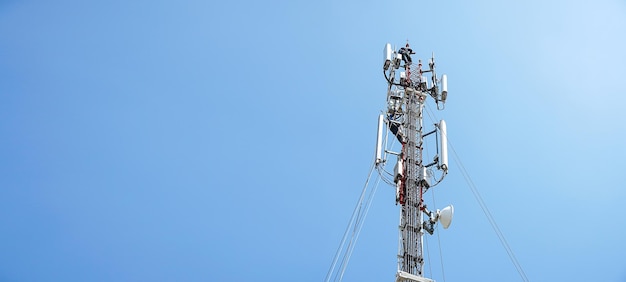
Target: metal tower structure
{"x":407,"y":93}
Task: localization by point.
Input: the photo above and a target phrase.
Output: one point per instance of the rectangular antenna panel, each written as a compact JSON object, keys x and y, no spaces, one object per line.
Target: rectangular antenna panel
{"x":387,"y":53}
{"x":379,"y":140}
{"x":423,"y":177}
{"x":444,"y":87}
{"x":443,"y":161}
{"x":398,"y":170}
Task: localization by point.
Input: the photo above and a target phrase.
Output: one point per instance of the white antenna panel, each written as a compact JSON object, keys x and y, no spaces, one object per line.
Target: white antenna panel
{"x":443,"y":161}
{"x":444,"y":87}
{"x":398,"y":170}
{"x":387,"y":53}
{"x":379,"y":140}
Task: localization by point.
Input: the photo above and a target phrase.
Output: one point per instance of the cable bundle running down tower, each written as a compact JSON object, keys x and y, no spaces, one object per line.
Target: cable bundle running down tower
{"x":407,"y":92}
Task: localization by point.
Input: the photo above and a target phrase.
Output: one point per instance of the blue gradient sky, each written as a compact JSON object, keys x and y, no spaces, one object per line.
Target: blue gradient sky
{"x":216,"y":141}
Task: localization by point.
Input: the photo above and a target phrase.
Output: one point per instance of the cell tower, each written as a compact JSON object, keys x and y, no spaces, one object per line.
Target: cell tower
{"x":407,"y":92}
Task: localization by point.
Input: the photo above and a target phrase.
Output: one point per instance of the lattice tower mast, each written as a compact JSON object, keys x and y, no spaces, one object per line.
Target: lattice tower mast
{"x":411,"y":258}
{"x":404,"y":117}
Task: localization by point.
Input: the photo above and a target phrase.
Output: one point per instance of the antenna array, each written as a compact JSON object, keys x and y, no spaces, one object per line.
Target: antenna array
{"x":407,"y":92}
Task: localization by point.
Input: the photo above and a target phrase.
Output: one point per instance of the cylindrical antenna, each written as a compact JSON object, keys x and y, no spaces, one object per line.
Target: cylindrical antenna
{"x":443,"y":161}
{"x":379,"y":140}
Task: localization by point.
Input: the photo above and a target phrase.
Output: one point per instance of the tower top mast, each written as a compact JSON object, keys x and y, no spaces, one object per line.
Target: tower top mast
{"x":408,"y":90}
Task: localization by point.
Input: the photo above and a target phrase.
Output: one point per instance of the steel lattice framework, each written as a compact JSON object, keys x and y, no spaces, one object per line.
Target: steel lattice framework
{"x":410,"y":255}
{"x":406,"y":98}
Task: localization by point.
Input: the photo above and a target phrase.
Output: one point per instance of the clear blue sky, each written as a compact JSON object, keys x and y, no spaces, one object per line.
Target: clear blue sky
{"x":218,"y":141}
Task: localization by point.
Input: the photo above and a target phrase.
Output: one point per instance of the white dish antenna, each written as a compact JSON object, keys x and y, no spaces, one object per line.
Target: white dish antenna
{"x":445,"y":216}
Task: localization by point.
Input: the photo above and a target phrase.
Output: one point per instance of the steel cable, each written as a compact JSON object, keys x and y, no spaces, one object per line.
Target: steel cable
{"x":484,"y":208}
{"x":354,"y":229}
